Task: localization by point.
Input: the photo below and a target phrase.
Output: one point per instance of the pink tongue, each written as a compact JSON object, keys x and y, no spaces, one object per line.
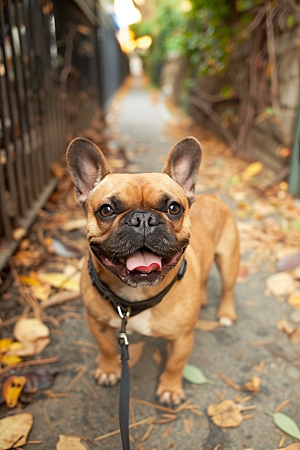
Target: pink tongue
{"x":143,"y":261}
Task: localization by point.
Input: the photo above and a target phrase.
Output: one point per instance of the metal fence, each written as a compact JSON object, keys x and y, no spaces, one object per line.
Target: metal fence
{"x":51,"y":72}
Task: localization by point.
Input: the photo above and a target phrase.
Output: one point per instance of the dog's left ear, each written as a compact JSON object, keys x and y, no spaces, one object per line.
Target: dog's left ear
{"x":87,"y":166}
{"x":182,"y":165}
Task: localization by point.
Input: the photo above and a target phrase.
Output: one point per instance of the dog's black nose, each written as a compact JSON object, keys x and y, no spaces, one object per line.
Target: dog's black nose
{"x":143,"y":220}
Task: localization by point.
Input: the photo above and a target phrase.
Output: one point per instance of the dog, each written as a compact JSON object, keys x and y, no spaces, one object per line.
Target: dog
{"x":142,"y":229}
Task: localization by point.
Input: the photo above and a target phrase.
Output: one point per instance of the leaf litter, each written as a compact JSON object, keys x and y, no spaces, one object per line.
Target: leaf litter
{"x":267,"y":239}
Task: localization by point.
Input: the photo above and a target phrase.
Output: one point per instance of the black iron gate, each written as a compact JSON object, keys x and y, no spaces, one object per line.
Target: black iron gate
{"x":42,"y":93}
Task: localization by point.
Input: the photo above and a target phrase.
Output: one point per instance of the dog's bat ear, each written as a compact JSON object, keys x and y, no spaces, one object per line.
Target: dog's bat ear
{"x":182,"y":165}
{"x":87,"y":166}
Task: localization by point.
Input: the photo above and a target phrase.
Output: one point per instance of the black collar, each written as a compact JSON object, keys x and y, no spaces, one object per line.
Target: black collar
{"x":133,"y":307}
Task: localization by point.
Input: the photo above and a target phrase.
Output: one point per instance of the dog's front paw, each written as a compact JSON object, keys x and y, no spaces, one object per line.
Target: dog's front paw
{"x":169,"y":396}
{"x":107,"y":378}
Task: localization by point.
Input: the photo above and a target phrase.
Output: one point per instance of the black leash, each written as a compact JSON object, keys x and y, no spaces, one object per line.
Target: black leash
{"x":124,"y":383}
{"x":125,"y":308}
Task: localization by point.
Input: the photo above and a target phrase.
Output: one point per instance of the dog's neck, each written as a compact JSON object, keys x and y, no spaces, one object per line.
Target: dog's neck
{"x":130,"y":293}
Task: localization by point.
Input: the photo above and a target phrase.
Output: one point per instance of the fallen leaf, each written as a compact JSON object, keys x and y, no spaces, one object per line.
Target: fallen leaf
{"x":75,"y":224}
{"x":14,"y":430}
{"x":12,"y":389}
{"x":70,"y":443}
{"x":4,"y":344}
{"x":195,"y":375}
{"x":207,"y":325}
{"x":226,"y":414}
{"x":285,"y":424}
{"x":292,"y":333}
{"x":59,"y":280}
{"x":253,"y":385}
{"x":294,"y":299}
{"x":135,"y":353}
{"x":253,"y":169}
{"x":41,"y":292}
{"x":10,"y":359}
{"x":289,"y":262}
{"x":65,"y":250}
{"x":29,"y":280}
{"x":33,"y":334}
{"x":280,"y":284}
{"x":19,"y":233}
{"x":39,"y":378}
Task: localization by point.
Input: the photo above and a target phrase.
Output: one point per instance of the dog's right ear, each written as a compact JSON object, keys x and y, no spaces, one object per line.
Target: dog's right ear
{"x":87,"y":166}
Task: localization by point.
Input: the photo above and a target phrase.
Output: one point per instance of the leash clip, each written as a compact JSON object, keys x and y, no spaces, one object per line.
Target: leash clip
{"x":122,"y":333}
{"x":123,"y":338}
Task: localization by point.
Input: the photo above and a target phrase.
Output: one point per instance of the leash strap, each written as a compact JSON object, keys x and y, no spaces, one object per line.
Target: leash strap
{"x":125,"y":382}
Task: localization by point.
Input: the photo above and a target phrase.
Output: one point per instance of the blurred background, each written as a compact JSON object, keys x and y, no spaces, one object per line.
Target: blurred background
{"x":233,"y":66}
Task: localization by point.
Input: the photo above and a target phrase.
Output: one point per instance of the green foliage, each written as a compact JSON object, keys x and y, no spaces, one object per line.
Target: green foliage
{"x":206,"y":34}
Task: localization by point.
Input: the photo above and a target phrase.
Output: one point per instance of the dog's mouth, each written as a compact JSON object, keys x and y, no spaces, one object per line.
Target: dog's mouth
{"x":143,"y":267}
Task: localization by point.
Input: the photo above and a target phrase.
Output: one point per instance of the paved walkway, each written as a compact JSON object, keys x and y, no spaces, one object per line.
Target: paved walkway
{"x":137,"y":121}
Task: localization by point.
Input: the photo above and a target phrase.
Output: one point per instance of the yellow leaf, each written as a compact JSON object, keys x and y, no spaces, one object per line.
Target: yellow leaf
{"x":294,"y":299}
{"x":12,"y":389}
{"x":59,"y":280}
{"x":10,"y":359}
{"x":28,"y":280}
{"x":4,"y":344}
{"x":253,"y":169}
{"x":14,"y":429}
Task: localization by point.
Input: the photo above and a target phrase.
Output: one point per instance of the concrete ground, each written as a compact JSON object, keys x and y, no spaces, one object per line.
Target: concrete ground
{"x":252,"y":347}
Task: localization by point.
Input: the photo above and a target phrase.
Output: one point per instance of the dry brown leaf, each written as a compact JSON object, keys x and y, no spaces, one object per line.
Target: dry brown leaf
{"x":188,"y":424}
{"x":15,"y":429}
{"x":226,"y":414}
{"x":135,"y":353}
{"x":253,"y":385}
{"x":70,"y":443}
{"x":207,"y":325}
{"x":292,"y":333}
{"x":41,"y":292}
{"x":280,"y":283}
{"x":75,"y":224}
{"x":294,"y":299}
{"x":33,"y":334}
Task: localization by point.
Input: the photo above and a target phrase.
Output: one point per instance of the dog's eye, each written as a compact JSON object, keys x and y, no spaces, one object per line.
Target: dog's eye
{"x":106,"y":211}
{"x":174,"y":208}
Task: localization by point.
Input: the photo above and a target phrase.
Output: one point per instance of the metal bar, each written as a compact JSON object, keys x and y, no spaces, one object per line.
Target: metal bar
{"x":29,"y":183}
{"x":14,"y":181}
{"x":29,"y":112}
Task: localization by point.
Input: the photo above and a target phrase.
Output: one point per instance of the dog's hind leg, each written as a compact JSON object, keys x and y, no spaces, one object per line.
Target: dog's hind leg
{"x":227,"y":258}
{"x":108,"y":371}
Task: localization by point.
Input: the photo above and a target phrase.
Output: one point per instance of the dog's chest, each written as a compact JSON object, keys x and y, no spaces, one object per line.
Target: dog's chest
{"x":139,"y":323}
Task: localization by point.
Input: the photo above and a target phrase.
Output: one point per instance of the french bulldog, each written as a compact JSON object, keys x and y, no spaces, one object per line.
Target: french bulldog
{"x":140,"y":230}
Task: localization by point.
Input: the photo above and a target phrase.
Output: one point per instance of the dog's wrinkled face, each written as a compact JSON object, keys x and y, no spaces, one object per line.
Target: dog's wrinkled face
{"x":138,"y":226}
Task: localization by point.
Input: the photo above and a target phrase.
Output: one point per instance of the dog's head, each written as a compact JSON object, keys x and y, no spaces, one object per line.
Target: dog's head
{"x":138,"y":225}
